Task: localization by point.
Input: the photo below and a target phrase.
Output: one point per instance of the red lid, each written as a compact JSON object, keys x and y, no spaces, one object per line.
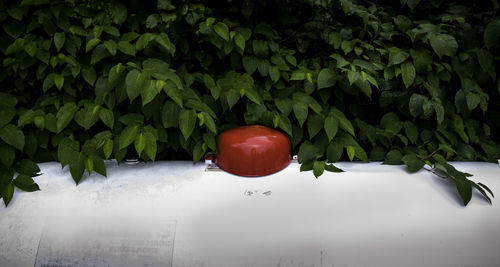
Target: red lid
{"x":253,"y":151}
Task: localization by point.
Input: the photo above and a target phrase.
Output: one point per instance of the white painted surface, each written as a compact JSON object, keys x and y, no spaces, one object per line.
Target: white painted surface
{"x":371,"y":215}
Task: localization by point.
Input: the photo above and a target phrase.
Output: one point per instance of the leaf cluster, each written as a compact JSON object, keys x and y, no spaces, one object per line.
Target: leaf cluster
{"x":84,"y":81}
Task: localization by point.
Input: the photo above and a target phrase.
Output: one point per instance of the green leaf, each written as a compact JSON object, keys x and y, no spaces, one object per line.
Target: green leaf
{"x":343,"y":121}
{"x":365,"y":87}
{"x":318,"y":168}
{"x":132,"y":119}
{"x":334,"y":151}
{"x":111,"y":46}
{"x":118,"y":13}
{"x":150,"y":147}
{"x":126,"y":48}
{"x":87,"y":116}
{"x":284,"y":105}
{"x":163,"y":40}
{"x":59,"y":81}
{"x":25,"y":183}
{"x":239,"y":40}
{"x":11,"y":135}
{"x":331,"y":127}
{"x":165,"y":4}
{"x":391,"y":122}
{"x":209,"y":122}
{"x":300,"y":109}
{"x":66,"y":151}
{"x":170,"y":114}
{"x":59,"y":39}
{"x":152,"y":21}
{"x":140,"y":143}
{"x":416,"y":104}
{"x":412,"y":3}
{"x":134,"y":81}
{"x":89,"y":75}
{"x":27,"y":167}
{"x":149,"y":91}
{"x":260,"y":48}
{"x":107,"y":117}
{"x":487,"y":189}
{"x":91,"y":44}
{"x":198,"y":151}
{"x":485,"y":59}
{"x":438,"y":107}
{"x":332,"y":168}
{"x":7,"y":194}
{"x":128,"y":135}
{"x":422,"y":58}
{"x":285,"y":125}
{"x":232,"y":97}
{"x":314,"y":124}
{"x":326,"y":78}
{"x":397,"y":56}
{"x":98,"y":165}
{"x":491,"y":35}
{"x":144,"y":41}
{"x":458,"y":124}
{"x":411,"y":131}
{"x":443,"y":44}
{"x":393,"y":157}
{"x":13,"y":28}
{"x":291,"y":59}
{"x":187,"y":122}
{"x":481,"y":190}
{"x":306,"y":166}
{"x":472,"y":100}
{"x":107,"y":148}
{"x":307,"y":152}
{"x":408,"y":73}
{"x":251,"y":94}
{"x":350,"y":152}
{"x":263,"y":67}
{"x":77,"y":167}
{"x":209,"y":140}
{"x":250,"y":64}
{"x":65,"y":115}
{"x":8,"y":155}
{"x":222,"y":30}
{"x":464,"y":188}
{"x":413,"y":163}
{"x":99,"y":53}
{"x":173,"y":92}
{"x":212,"y":86}
{"x":274,"y":73}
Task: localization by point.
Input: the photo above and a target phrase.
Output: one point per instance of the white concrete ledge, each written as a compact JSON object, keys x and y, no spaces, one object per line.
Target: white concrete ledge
{"x":370,"y":215}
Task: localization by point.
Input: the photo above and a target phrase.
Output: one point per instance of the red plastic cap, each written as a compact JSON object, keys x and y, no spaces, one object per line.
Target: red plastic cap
{"x":253,"y":151}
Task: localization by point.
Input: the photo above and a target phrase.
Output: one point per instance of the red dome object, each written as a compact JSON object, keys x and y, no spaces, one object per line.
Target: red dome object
{"x":253,"y":151}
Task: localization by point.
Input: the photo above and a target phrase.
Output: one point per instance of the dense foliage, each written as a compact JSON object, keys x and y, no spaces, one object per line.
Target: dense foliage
{"x":410,"y":83}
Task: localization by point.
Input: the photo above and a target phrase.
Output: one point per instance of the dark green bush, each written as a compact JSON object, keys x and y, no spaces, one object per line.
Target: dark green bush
{"x":410,"y":83}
